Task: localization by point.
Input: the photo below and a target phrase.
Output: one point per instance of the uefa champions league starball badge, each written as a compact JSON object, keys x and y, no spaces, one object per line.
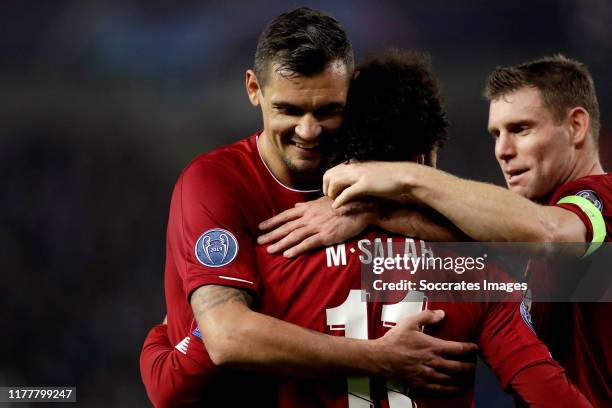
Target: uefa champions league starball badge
{"x":592,"y":197}
{"x":216,"y":247}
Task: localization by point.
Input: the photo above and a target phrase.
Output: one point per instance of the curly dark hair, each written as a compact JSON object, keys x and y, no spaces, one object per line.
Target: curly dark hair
{"x":394,"y":111}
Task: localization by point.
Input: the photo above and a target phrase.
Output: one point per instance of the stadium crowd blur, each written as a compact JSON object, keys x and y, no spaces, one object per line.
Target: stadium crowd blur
{"x":104,"y":102}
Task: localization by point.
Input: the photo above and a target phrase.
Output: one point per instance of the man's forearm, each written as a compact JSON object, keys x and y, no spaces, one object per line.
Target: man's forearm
{"x":235,"y":336}
{"x":238,"y":337}
{"x":286,"y":349}
{"x":486,"y":212}
{"x":417,"y":223}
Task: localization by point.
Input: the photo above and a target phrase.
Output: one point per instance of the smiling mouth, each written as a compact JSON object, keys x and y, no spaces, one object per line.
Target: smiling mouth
{"x":306,"y":146}
{"x":514,"y":175}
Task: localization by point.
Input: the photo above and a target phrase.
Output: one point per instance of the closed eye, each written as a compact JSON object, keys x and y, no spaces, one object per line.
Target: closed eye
{"x":519,"y":128}
{"x":329,"y":110}
{"x":290,"y":110}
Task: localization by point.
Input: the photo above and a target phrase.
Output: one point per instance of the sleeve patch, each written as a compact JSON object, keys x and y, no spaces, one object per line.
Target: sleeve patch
{"x":216,"y":247}
{"x":526,"y":315}
{"x":592,"y":197}
{"x":197,"y":333}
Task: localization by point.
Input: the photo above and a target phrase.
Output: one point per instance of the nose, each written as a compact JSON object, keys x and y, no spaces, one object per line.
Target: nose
{"x":504,"y":147}
{"x":308,"y":128}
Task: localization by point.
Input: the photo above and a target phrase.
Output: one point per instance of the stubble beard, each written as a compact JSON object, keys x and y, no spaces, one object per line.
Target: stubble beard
{"x":307,"y":174}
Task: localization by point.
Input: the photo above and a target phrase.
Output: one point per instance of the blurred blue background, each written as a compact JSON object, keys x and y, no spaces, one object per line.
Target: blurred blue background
{"x":102,"y":103}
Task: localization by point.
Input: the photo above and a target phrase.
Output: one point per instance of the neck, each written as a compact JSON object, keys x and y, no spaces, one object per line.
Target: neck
{"x":584,"y":167}
{"x":281,"y":172}
{"x":587,"y":165}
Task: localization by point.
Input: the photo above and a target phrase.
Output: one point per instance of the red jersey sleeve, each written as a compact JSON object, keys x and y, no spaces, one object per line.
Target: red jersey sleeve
{"x":595,"y":189}
{"x":507,"y":341}
{"x":215,"y":239}
{"x":544,"y":384}
{"x":170,"y":377}
{"x":522,"y":362}
{"x":173,"y":379}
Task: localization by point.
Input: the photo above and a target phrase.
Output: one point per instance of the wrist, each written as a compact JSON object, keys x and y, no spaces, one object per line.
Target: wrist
{"x":357,"y":357}
{"x":365,"y":212}
{"x":425,"y":184}
{"x":375,"y":358}
{"x":410,"y":176}
{"x":370,"y":216}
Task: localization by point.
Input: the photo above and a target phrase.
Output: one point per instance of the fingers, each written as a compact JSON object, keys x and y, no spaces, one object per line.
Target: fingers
{"x":312,"y":242}
{"x":279,"y":232}
{"x":334,"y":188}
{"x":327,"y":178}
{"x":346,"y":195}
{"x":331,"y":180}
{"x":453,"y":367}
{"x":442,"y":388}
{"x":417,"y":321}
{"x":293,"y":238}
{"x":282,"y":218}
{"x":438,"y":382}
{"x":454,"y":348}
{"x":434,"y":376}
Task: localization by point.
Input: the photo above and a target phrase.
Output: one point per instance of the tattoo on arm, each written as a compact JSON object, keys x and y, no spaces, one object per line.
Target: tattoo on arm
{"x":208,"y":297}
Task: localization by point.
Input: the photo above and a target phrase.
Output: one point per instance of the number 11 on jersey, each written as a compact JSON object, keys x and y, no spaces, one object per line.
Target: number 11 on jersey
{"x":352,"y":317}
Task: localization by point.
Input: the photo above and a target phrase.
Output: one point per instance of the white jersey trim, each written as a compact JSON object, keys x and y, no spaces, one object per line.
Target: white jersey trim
{"x":236,"y":279}
{"x":274,"y":177}
{"x":183,"y":345}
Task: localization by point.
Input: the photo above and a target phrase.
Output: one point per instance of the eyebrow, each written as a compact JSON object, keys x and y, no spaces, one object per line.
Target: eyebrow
{"x":284,"y":105}
{"x":512,"y":124}
{"x":287,"y":105}
{"x":520,"y":123}
{"x":332,"y":105}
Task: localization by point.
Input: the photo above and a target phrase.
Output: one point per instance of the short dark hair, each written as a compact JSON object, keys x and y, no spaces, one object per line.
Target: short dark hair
{"x":302,"y":42}
{"x":563,"y":83}
{"x":394,"y":111}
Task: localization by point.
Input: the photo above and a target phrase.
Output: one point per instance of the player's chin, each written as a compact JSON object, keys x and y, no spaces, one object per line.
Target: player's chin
{"x":524,"y":191}
{"x":306,"y":165}
{"x":516,"y":189}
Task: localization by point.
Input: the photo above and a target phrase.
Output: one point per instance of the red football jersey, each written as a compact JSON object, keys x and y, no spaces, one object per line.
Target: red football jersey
{"x":217,"y":204}
{"x":579,"y":335}
{"x":323,"y":291}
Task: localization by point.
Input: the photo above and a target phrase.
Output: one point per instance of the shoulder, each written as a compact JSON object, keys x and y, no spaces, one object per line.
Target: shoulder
{"x":601,"y":183}
{"x":590,"y":198}
{"x":596,"y":188}
{"x":226,"y":157}
{"x":225,"y":167}
{"x":213,"y":190}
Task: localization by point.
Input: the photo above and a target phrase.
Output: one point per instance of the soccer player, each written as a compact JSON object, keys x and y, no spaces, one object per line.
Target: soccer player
{"x":396,"y":90}
{"x":393,"y":95}
{"x":544,"y":117}
{"x":214,"y":279}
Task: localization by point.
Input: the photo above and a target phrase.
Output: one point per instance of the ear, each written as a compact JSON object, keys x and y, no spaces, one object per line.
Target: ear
{"x":433,"y":157}
{"x":579,"y":123}
{"x":428,"y":159}
{"x":252,"y":87}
